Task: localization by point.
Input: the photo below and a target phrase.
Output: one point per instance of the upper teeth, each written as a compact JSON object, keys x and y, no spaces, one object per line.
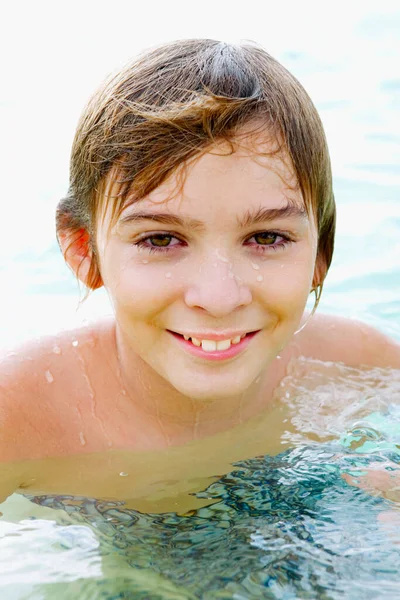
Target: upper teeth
{"x":212,"y":345}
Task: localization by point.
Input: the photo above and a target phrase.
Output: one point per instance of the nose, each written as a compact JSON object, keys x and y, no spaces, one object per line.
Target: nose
{"x":216,"y":289}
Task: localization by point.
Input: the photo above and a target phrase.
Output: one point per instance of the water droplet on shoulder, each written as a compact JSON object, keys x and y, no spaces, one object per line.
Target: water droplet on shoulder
{"x":49,"y":376}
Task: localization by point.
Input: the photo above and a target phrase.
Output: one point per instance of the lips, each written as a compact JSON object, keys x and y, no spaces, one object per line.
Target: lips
{"x":214,"y":349}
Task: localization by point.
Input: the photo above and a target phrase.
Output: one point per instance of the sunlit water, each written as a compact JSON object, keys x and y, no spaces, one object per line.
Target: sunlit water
{"x":286,"y":526}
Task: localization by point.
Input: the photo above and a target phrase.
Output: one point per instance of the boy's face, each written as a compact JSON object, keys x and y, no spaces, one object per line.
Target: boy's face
{"x":230,"y":256}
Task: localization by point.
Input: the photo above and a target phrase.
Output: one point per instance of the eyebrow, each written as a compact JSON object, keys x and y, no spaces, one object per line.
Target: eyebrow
{"x":251,"y":217}
{"x":164,"y":218}
{"x":261,"y":215}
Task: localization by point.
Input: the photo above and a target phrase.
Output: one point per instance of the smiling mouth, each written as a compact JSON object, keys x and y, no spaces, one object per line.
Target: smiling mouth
{"x":215,"y":346}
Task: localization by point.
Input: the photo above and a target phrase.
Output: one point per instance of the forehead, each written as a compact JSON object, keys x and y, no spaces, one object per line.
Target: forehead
{"x":251,"y":171}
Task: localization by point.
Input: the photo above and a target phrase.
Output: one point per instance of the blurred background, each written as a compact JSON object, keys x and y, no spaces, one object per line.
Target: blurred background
{"x":347,"y":56}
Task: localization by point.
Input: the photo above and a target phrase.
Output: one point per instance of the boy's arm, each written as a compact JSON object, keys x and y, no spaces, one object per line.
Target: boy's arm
{"x":24,"y":397}
{"x":17,"y":391}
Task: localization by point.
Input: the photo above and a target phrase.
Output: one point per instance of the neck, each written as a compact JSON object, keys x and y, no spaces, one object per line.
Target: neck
{"x":180,"y":418}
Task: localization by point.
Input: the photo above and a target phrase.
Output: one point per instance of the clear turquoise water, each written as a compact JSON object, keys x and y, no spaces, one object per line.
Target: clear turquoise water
{"x":282,"y":527}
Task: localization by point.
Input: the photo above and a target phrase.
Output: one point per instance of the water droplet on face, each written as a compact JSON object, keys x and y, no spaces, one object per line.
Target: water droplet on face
{"x":123,"y":392}
{"x":145,"y":262}
{"x":167,"y":275}
{"x":82,"y":438}
{"x":56,"y":350}
{"x":259,"y":278}
{"x":75,"y":343}
{"x":221,"y":258}
{"x":123,"y":474}
{"x":256,"y":267}
{"x":279,"y":357}
{"x":49,"y":376}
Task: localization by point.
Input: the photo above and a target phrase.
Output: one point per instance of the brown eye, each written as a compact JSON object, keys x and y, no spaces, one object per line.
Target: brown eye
{"x":160,"y":240}
{"x":265,"y":238}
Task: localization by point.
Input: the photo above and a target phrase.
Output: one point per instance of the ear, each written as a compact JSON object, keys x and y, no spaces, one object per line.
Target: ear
{"x":320,"y":271}
{"x":78,"y":254}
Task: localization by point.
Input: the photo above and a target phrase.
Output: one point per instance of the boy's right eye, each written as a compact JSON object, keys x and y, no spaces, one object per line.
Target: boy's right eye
{"x":158,"y":242}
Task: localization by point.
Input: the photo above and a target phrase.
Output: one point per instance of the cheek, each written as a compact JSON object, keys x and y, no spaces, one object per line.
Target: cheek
{"x":287,"y":283}
{"x":138,"y":287}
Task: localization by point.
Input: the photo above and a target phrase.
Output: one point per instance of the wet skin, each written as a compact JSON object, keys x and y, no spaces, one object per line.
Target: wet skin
{"x":232,"y":253}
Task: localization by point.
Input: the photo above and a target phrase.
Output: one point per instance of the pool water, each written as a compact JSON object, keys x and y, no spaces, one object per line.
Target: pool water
{"x":282,"y":527}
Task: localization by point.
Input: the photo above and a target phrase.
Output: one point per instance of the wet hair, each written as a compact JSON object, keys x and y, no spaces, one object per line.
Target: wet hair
{"x":171,"y":104}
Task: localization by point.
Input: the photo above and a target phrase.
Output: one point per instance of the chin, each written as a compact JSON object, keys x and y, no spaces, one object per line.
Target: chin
{"x":213,"y":387}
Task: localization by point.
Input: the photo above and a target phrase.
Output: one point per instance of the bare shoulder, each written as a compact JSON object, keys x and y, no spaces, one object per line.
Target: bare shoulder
{"x":39,"y":382}
{"x":337,"y":339}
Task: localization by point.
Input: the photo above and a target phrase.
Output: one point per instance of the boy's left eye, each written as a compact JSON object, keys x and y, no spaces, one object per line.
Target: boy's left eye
{"x":266,"y":238}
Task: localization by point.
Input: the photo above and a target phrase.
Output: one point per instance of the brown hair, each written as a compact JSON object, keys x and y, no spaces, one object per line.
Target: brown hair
{"x":172,"y":103}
